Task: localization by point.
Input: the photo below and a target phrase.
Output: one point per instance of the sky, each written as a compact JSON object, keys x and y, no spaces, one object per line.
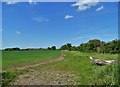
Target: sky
{"x":43,"y":24}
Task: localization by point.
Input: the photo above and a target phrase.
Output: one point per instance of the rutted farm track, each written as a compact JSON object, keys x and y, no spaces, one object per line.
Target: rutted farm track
{"x":45,"y":76}
{"x":44,"y":62}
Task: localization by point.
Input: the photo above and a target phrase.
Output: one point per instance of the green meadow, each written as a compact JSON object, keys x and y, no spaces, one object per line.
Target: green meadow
{"x":86,"y":72}
{"x":21,"y":58}
{"x":75,"y":62}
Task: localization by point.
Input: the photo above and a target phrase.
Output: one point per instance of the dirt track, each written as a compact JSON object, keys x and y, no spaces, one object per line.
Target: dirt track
{"x":45,"y":76}
{"x":43,"y":62}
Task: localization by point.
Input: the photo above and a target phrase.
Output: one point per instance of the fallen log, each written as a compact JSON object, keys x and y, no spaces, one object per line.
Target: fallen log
{"x":102,"y":62}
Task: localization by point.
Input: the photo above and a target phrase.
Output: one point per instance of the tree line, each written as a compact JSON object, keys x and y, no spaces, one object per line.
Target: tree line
{"x":18,"y":49}
{"x":94,"y":45}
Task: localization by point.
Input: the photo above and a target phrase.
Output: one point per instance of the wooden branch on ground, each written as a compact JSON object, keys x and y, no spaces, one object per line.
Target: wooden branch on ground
{"x":102,"y":62}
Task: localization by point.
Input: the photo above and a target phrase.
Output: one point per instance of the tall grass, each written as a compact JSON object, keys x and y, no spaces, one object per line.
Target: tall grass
{"x":88,"y":73}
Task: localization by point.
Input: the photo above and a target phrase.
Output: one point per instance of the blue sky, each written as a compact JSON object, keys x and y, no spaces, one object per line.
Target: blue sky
{"x":46,"y":24}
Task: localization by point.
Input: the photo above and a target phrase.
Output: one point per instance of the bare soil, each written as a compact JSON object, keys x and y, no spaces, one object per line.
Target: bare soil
{"x":45,"y":76}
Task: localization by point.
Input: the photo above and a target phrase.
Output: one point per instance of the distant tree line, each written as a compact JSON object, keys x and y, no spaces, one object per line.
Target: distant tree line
{"x":95,"y":45}
{"x":11,"y":49}
{"x":18,"y":49}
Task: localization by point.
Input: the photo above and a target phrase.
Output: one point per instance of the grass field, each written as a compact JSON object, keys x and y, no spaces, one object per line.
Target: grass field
{"x":75,"y":62}
{"x":86,"y":72}
{"x":21,"y":58}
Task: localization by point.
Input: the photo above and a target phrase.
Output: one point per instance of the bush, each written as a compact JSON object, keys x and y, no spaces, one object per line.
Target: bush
{"x":7,"y":77}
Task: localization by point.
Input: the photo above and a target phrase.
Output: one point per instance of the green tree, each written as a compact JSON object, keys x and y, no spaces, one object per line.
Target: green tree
{"x":53,"y":48}
{"x":49,"y":48}
{"x":66,"y":47}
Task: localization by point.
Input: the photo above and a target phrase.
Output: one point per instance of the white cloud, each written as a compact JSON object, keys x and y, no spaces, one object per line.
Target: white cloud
{"x":40,"y":19}
{"x":10,"y":2}
{"x":99,"y":8}
{"x":31,"y":1}
{"x":68,"y":16}
{"x":85,"y":4}
{"x":18,"y":33}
